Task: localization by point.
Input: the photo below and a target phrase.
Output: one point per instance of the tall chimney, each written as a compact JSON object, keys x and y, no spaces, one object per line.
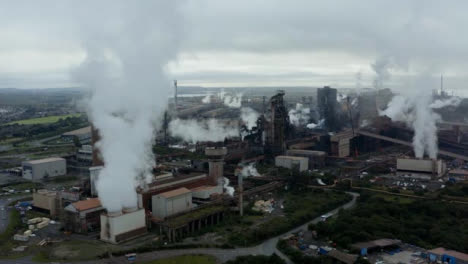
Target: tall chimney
{"x":175,"y":94}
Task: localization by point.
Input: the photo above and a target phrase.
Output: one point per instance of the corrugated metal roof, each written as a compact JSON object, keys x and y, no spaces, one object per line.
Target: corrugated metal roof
{"x":87,"y":204}
{"x":39,"y":161}
{"x":202,"y":188}
{"x":292,"y":158}
{"x":175,"y":192}
{"x":384,"y":242}
{"x":456,"y":254}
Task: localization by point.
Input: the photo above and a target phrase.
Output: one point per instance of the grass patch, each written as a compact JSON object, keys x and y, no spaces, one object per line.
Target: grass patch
{"x":187,"y":259}
{"x":299,"y":207}
{"x":42,"y":120}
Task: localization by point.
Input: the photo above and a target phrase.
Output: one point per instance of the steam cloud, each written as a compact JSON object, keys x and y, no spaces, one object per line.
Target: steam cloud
{"x":123,"y":68}
{"x":194,"y":131}
{"x":229,"y":189}
{"x":381,"y":67}
{"x":299,"y":116}
{"x":320,"y":124}
{"x":206,"y":99}
{"x":249,"y":117}
{"x":417,"y":111}
{"x":231,"y":100}
{"x":249,"y":170}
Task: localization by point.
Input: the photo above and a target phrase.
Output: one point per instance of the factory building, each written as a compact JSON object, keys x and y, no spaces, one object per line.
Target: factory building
{"x":216,"y":163}
{"x":36,"y":170}
{"x":316,"y":158}
{"x":93,"y":177}
{"x":46,"y":201}
{"x":171,"y":203}
{"x":84,"y":216}
{"x":340,"y":144}
{"x":117,"y":227}
{"x":83,"y":135}
{"x":206,"y":192}
{"x":85,"y":154}
{"x":442,"y":255}
{"x":328,"y":106}
{"x":429,"y":166}
{"x":291,"y":162}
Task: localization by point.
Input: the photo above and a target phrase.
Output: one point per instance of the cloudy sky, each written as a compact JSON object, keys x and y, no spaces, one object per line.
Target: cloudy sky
{"x":255,"y":42}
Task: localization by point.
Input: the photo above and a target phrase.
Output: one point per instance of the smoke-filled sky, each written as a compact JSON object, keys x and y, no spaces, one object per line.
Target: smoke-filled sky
{"x":256,"y":42}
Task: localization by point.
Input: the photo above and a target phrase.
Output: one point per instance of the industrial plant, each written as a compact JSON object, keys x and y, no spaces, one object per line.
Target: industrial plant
{"x":233,"y":132}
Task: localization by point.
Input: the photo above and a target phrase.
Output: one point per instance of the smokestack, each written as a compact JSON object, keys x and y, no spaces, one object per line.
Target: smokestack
{"x":175,"y":94}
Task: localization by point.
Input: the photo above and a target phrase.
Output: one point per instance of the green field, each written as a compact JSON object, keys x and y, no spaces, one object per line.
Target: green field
{"x":43,"y":120}
{"x":188,"y":259}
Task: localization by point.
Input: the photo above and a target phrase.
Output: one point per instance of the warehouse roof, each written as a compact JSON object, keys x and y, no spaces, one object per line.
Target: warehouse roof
{"x":87,"y":204}
{"x":175,"y":192}
{"x":292,"y":158}
{"x":306,"y":152}
{"x":455,"y":254}
{"x":203,"y":188}
{"x":39,"y":161}
{"x":81,"y":131}
{"x":384,"y":242}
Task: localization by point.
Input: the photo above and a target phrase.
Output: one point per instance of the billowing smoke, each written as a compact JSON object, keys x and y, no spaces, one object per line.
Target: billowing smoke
{"x":416,"y":109}
{"x":249,"y":117}
{"x":127,"y":46}
{"x":207,"y":130}
{"x":340,"y":97}
{"x":249,"y":170}
{"x":441,"y":103}
{"x":229,"y":189}
{"x":300,"y":115}
{"x":231,"y":100}
{"x":381,"y":67}
{"x":320,"y":124}
{"x":207,"y":99}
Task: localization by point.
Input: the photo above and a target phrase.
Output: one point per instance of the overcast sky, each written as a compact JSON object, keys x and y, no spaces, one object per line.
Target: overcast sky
{"x":255,"y":43}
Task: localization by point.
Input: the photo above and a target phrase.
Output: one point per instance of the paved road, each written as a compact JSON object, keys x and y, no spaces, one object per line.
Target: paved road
{"x":266,"y":248}
{"x":5,"y":212}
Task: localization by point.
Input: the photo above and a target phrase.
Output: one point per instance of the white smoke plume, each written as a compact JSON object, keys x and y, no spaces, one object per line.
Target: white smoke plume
{"x":300,"y":115}
{"x":249,"y":117}
{"x":229,"y":189}
{"x":416,"y":109}
{"x":381,"y":67}
{"x":231,"y":100}
{"x":207,"y":130}
{"x":207,"y":99}
{"x":125,"y":56}
{"x":318,"y":125}
{"x":441,"y":103}
{"x":249,"y":170}
{"x":340,"y":97}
